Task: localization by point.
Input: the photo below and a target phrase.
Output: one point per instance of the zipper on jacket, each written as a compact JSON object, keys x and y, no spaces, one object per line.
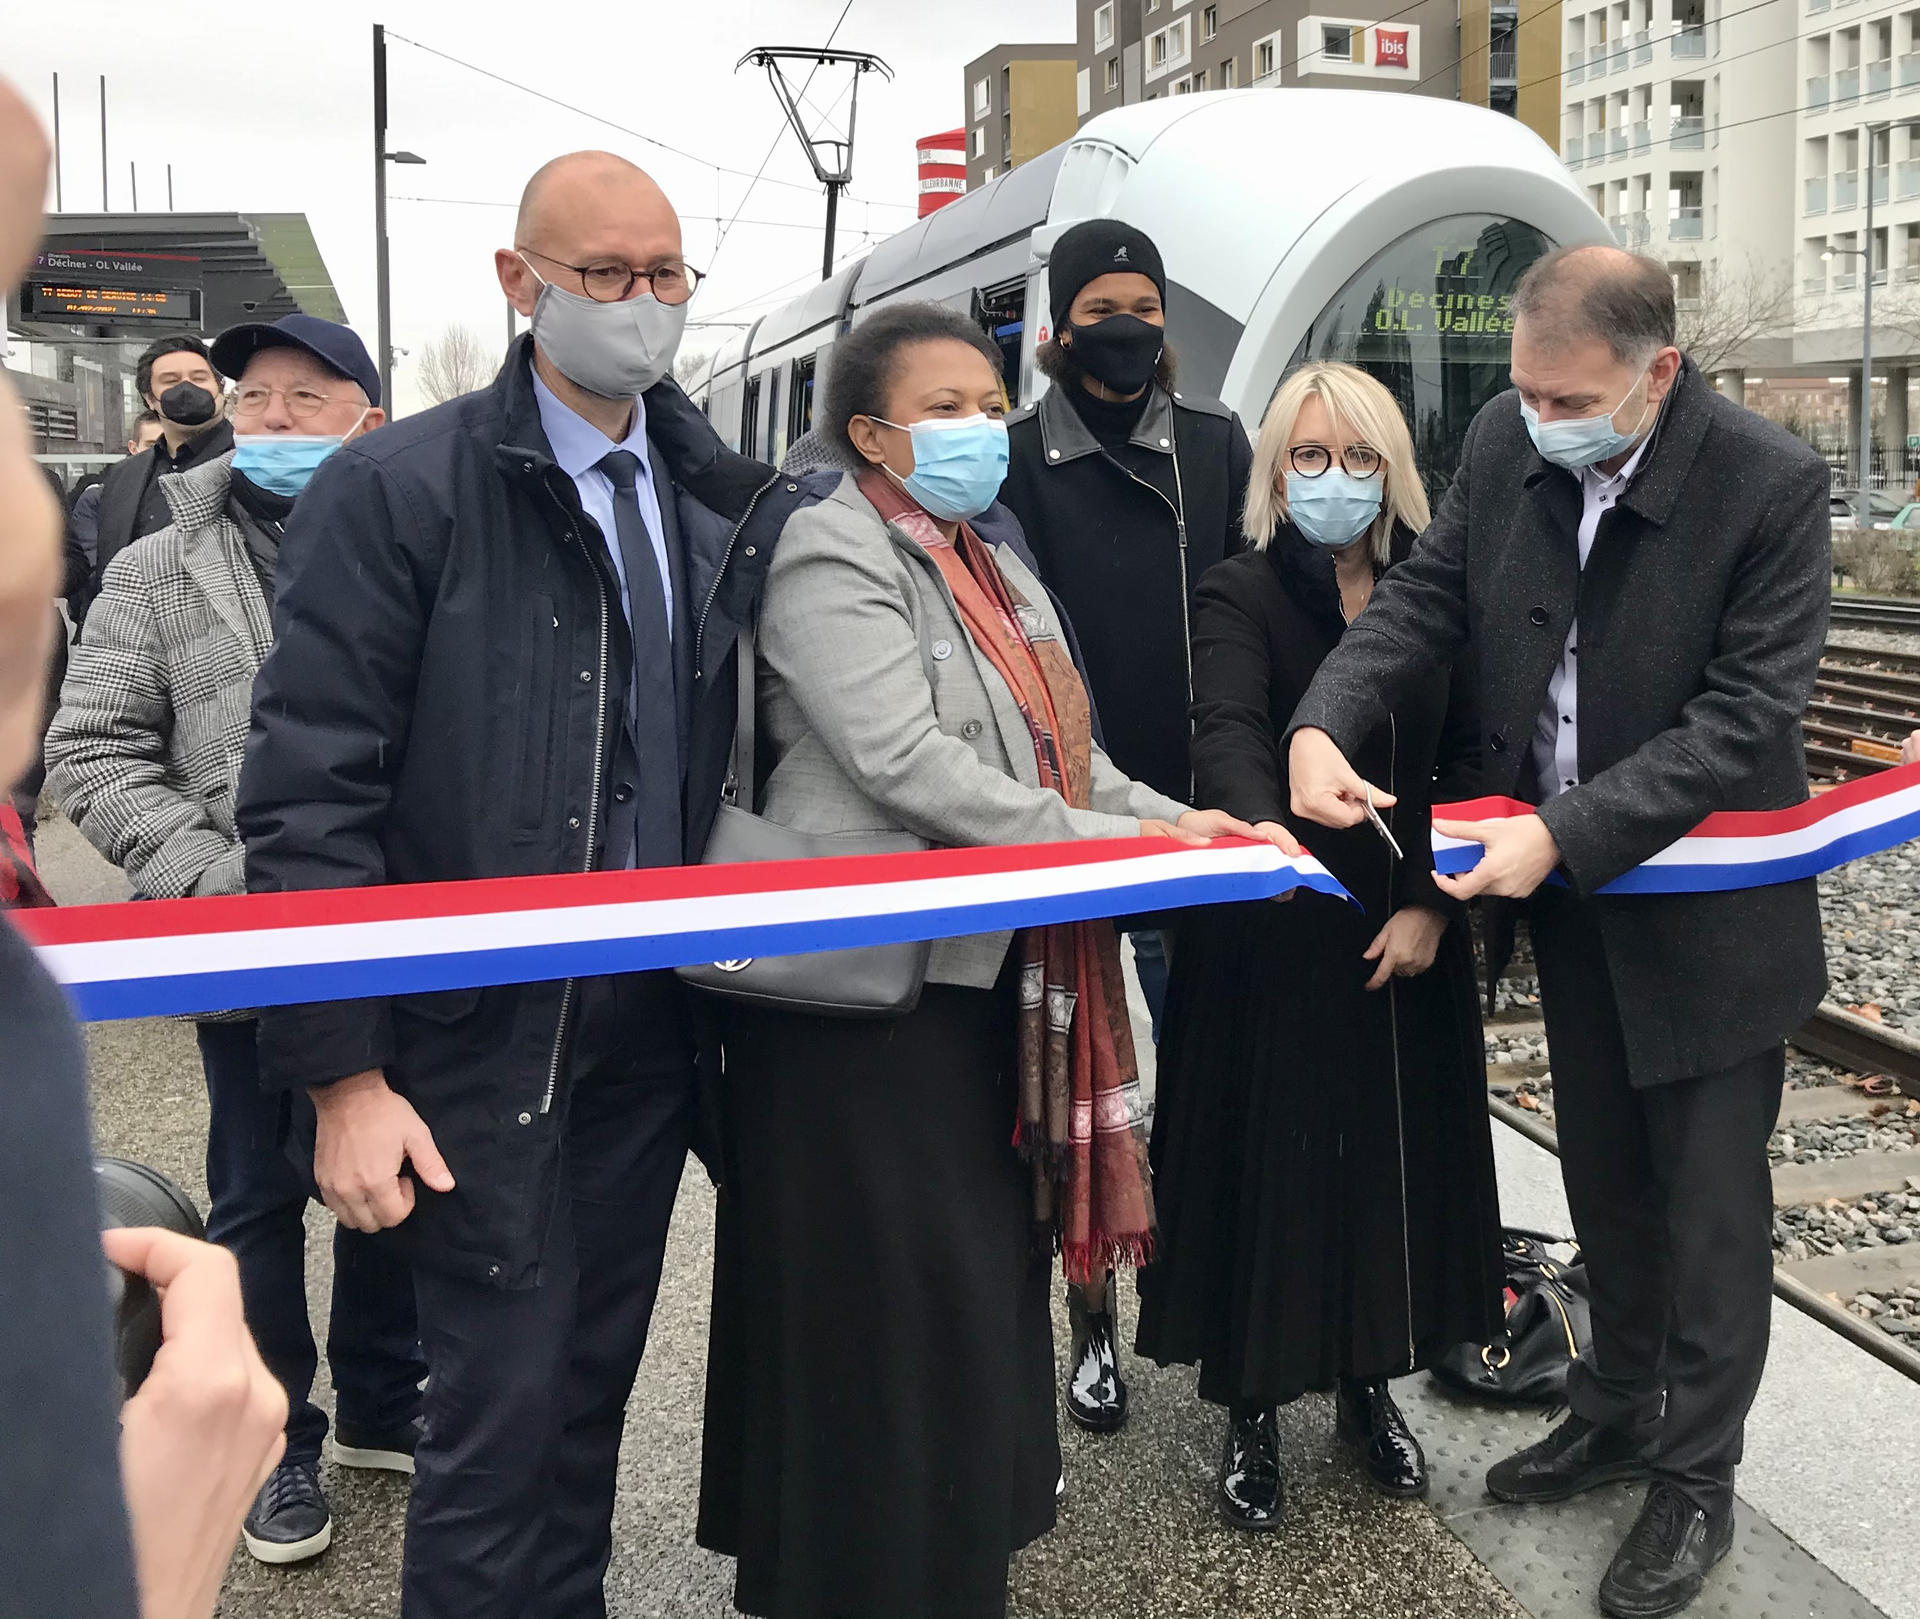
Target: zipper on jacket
{"x":1393,"y":1028}
{"x":713,"y":592}
{"x":1179,"y":512}
{"x":593,"y":804}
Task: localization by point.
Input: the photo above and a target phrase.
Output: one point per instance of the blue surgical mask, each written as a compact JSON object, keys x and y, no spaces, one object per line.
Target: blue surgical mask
{"x":1584,"y":441}
{"x":283,"y":462}
{"x":1334,"y":509}
{"x":958,"y":465}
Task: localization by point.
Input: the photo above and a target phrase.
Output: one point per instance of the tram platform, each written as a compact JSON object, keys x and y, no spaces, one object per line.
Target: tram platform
{"x":1829,"y":1486}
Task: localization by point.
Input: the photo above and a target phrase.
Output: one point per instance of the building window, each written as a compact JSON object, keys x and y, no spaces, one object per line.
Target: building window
{"x":1209,"y":23}
{"x":1157,"y":50}
{"x":979,"y":142}
{"x":1113,"y":73}
{"x":1103,"y":27}
{"x":1152,"y":6}
{"x":1227,"y":75}
{"x":982,"y":98}
{"x":1200,"y":80}
{"x":1177,"y":40}
{"x":1336,"y":42}
{"x":1263,"y":59}
{"x":987,"y":174}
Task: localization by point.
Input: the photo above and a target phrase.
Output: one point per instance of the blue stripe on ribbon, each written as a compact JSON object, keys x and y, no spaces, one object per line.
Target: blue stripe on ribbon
{"x":190,"y":993}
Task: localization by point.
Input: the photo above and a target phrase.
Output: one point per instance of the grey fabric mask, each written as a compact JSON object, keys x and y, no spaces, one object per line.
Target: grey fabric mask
{"x":614,"y":350}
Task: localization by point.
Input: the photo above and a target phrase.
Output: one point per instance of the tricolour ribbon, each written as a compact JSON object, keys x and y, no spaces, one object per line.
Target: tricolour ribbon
{"x":1741,"y":848}
{"x":203,"y":955}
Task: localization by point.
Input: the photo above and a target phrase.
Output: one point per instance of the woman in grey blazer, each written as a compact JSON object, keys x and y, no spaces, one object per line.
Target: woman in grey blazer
{"x":880,"y":1416}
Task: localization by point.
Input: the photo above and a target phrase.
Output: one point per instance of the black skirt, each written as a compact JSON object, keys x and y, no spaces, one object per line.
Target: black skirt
{"x":1323,"y":1164}
{"x":879,"y":1430}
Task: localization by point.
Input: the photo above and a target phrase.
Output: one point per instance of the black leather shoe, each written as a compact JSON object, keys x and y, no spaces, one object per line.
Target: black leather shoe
{"x":289,"y":1522}
{"x":389,"y":1450}
{"x":1096,"y":1392}
{"x":1666,"y":1556}
{"x":1576,"y":1456}
{"x":1251,"y":1493}
{"x":1367,"y":1416}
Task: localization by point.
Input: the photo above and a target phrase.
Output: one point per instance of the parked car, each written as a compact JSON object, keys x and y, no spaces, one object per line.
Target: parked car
{"x":1843,"y":506}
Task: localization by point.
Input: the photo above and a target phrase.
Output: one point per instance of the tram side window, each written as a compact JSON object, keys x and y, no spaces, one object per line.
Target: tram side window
{"x":1002,"y":312}
{"x":750,"y":419}
{"x":800,"y":398}
{"x":1431,"y":317}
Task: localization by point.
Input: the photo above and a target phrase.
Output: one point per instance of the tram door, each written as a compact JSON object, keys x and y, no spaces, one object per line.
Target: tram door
{"x":1001,"y":312}
{"x":1431,"y":317}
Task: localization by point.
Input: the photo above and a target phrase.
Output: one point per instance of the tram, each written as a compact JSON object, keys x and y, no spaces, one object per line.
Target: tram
{"x":1384,"y":230}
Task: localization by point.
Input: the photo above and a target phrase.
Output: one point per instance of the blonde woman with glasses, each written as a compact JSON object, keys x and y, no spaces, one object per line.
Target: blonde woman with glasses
{"x":1321,"y":1154}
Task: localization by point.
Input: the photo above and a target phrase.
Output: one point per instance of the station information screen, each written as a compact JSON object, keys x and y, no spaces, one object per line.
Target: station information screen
{"x":53,"y":297}
{"x":1431,"y":317}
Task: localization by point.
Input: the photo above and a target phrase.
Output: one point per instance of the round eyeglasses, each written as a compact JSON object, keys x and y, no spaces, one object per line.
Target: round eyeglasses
{"x":1310,"y":460}
{"x":303,"y":404}
{"x":611,"y":281}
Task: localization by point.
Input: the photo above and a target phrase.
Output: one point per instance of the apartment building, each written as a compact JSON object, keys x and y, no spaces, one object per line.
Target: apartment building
{"x":1135,"y":50}
{"x":1020,"y":103}
{"x":1678,"y":118}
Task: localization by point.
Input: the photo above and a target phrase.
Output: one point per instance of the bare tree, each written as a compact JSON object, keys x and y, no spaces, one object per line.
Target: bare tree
{"x":454,"y":363}
{"x":1733,"y":309}
{"x":692,"y":364}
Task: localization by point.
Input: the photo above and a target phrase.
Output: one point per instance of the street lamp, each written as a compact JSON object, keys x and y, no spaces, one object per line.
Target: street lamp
{"x":381,"y":158}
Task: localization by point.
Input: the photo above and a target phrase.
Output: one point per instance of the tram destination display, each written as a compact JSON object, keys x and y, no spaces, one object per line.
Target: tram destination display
{"x":72,"y":301}
{"x":1462,"y":295}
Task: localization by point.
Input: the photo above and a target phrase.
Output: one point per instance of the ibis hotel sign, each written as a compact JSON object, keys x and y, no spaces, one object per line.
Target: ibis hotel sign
{"x":1353,"y":48}
{"x":125,"y":292}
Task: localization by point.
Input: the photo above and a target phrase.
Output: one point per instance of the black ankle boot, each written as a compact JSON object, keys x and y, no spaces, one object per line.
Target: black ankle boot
{"x":1096,"y":1392}
{"x":1251,"y":1493}
{"x":1367,"y":1417}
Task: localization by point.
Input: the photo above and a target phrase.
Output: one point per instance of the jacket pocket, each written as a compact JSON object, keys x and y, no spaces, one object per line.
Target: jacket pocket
{"x":538,"y":657}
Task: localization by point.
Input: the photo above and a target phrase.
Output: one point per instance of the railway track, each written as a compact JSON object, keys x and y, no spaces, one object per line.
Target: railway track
{"x":1817,"y":1286}
{"x":1864,"y":703}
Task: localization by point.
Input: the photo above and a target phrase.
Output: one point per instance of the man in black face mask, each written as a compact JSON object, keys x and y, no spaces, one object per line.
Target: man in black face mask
{"x":177,"y":380}
{"x":1129,"y":490}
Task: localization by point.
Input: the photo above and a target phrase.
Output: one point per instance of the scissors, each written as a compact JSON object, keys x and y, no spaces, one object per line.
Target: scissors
{"x":1380,"y":826}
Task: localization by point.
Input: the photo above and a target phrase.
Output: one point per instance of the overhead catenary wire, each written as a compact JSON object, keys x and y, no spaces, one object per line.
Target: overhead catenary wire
{"x":600,"y":118}
{"x":695,"y":219}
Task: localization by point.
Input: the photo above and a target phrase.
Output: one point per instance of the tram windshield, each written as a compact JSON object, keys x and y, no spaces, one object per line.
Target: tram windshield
{"x":1430,"y":316}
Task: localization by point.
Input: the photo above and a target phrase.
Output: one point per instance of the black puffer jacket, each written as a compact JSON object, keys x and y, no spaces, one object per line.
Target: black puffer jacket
{"x":1106,"y":528}
{"x":423,"y":718}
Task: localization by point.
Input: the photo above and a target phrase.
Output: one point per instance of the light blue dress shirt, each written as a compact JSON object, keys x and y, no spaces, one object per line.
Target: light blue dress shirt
{"x":578,"y":447}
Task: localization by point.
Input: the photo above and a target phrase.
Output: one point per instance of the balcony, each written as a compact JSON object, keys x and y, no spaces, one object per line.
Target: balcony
{"x":1642,"y":137}
{"x":1622,"y":58}
{"x":1576,"y":66}
{"x":1631,"y":230}
{"x":1814,"y":286}
{"x":1642,"y":48}
{"x":1617,"y":140}
{"x":1846,"y":191}
{"x":1910,"y":70}
{"x":1684,"y":224}
{"x":1814,"y":6}
{"x":1880,"y":276}
{"x":1576,"y":151}
{"x":1879,"y":181}
{"x":1907,"y":275}
{"x":1846,"y":86}
{"x":1846,"y":281}
{"x":1689,"y":134}
{"x":1597,"y":146}
{"x":1689,"y":42}
{"x":1816,"y":93}
{"x":1879,"y":79}
{"x":1906,"y":178}
{"x":1816,"y":199}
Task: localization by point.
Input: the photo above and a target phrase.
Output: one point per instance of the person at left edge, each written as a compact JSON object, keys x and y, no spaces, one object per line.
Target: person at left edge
{"x":505,"y":647}
{"x":144,"y":756}
{"x":177,"y":379}
{"x":1129,"y":489}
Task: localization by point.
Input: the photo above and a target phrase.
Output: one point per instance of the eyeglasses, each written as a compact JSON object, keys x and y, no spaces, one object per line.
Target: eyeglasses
{"x":1310,"y":460}
{"x":609,"y":281}
{"x":303,"y":404}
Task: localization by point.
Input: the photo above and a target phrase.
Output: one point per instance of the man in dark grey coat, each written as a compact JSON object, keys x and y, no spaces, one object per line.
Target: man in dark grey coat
{"x":1640,"y":568}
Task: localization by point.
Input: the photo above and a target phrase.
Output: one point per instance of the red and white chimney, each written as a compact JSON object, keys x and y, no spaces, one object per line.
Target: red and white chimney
{"x":943,"y":169}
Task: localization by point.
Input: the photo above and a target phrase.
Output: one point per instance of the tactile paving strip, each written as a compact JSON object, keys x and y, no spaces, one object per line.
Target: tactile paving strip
{"x":1551,"y":1558}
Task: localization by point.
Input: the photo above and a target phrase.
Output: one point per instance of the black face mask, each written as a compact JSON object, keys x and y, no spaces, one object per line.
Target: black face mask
{"x":1120,"y":351}
{"x":187,"y":404}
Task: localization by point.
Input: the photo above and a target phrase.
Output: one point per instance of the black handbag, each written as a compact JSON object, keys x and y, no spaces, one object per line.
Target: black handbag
{"x":868,"y":981}
{"x":1548,"y":1327}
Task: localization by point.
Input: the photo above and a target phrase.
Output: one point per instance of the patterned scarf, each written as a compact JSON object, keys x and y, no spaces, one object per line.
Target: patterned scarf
{"x":1079,"y":1124}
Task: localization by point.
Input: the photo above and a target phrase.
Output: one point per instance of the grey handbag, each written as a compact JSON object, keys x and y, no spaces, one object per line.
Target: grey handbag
{"x":869,"y":981}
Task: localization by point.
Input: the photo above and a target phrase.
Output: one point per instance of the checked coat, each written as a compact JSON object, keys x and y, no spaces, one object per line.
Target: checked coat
{"x":144,"y":755}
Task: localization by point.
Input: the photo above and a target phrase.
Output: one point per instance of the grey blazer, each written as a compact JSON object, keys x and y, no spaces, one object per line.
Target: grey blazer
{"x":145,"y":752}
{"x":863,"y":740}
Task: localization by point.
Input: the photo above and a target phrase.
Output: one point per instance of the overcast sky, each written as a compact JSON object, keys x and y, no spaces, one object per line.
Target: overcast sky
{"x":266,"y":107}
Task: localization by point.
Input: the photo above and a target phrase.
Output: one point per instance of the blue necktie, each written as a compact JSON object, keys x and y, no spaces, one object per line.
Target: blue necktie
{"x":650,"y":711}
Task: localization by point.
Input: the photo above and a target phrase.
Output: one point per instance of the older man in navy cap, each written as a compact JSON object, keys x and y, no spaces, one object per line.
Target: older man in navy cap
{"x":145,"y":757}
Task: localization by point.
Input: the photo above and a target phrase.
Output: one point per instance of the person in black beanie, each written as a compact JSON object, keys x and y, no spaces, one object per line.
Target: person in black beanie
{"x":1129,"y":489}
